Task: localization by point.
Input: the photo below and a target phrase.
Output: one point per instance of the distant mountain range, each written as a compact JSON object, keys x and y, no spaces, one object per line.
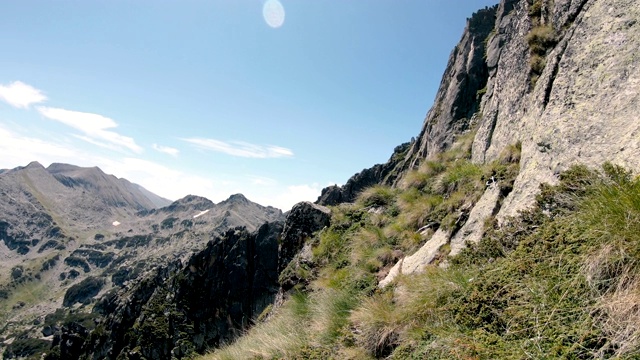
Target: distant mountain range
{"x":66,"y":225}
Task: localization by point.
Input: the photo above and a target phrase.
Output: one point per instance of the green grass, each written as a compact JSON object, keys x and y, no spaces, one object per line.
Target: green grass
{"x":377,"y":195}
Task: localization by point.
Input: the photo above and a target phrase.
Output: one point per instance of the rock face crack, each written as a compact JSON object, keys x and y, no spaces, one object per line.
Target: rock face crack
{"x":566,"y":39}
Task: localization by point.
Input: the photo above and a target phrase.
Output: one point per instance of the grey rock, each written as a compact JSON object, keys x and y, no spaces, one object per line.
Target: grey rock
{"x":583,"y":108}
{"x":304,"y":219}
{"x":417,"y":262}
{"x":473,"y":229}
{"x":457,"y":97}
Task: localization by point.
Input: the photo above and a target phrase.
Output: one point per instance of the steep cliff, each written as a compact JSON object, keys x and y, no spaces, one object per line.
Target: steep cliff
{"x":581,"y":108}
{"x":560,"y":76}
{"x":458,"y":97}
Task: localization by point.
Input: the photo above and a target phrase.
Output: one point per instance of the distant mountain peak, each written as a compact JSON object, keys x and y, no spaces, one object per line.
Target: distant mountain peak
{"x":34,"y":165}
{"x":190,"y":202}
{"x":237,"y":199}
{"x":58,"y":167}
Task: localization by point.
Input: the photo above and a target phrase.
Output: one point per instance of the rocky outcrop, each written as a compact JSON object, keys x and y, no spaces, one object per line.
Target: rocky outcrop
{"x":181,"y":309}
{"x":304,"y":219}
{"x":458,"y":97}
{"x":418,"y":260}
{"x":561,"y":77}
{"x":473,"y":228}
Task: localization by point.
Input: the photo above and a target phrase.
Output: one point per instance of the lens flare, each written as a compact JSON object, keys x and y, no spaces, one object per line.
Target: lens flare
{"x":273,"y":13}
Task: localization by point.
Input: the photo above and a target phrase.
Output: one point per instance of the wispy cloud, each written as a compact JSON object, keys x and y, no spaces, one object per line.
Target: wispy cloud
{"x":166,"y":149}
{"x":95,"y":128}
{"x":21,"y":95}
{"x":241,"y":148}
{"x":18,"y":150}
{"x":261,"y":180}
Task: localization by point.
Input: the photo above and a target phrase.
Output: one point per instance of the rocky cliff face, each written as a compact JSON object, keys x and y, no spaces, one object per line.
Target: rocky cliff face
{"x":560,"y":77}
{"x":581,"y":108}
{"x":458,"y":97}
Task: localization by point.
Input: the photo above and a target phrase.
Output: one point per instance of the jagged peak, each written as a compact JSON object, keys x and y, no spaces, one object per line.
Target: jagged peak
{"x":236,"y":199}
{"x":189,"y":202}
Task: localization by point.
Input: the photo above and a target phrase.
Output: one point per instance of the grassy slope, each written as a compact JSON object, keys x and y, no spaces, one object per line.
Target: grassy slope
{"x":559,"y":281}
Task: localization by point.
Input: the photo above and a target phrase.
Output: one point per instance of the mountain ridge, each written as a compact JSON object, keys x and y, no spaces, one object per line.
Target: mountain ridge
{"x":77,"y":234}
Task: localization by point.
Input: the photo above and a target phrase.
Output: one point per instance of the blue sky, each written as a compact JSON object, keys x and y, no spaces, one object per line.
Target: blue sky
{"x":275,"y":100}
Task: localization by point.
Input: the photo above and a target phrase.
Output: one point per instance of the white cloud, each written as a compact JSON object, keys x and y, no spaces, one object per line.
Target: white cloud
{"x":95,"y":128}
{"x":261,"y":180}
{"x":21,"y":95}
{"x":18,"y":150}
{"x":242,"y":149}
{"x":166,"y":149}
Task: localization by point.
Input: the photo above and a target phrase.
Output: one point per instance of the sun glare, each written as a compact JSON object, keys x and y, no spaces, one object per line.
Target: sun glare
{"x":273,"y":13}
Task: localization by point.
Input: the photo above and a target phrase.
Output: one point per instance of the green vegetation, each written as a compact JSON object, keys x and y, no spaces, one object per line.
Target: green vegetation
{"x":559,"y":281}
{"x":83,"y":292}
{"x":541,"y":39}
{"x":26,"y":348}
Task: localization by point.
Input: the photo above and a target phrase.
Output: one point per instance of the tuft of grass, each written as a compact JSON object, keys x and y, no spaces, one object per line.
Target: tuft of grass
{"x":389,"y":319}
{"x":541,"y":38}
{"x":422,"y":178}
{"x":463,"y":175}
{"x":417,"y":208}
{"x":376,"y":196}
{"x":535,"y":9}
{"x":280,"y":337}
{"x":378,"y":323}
